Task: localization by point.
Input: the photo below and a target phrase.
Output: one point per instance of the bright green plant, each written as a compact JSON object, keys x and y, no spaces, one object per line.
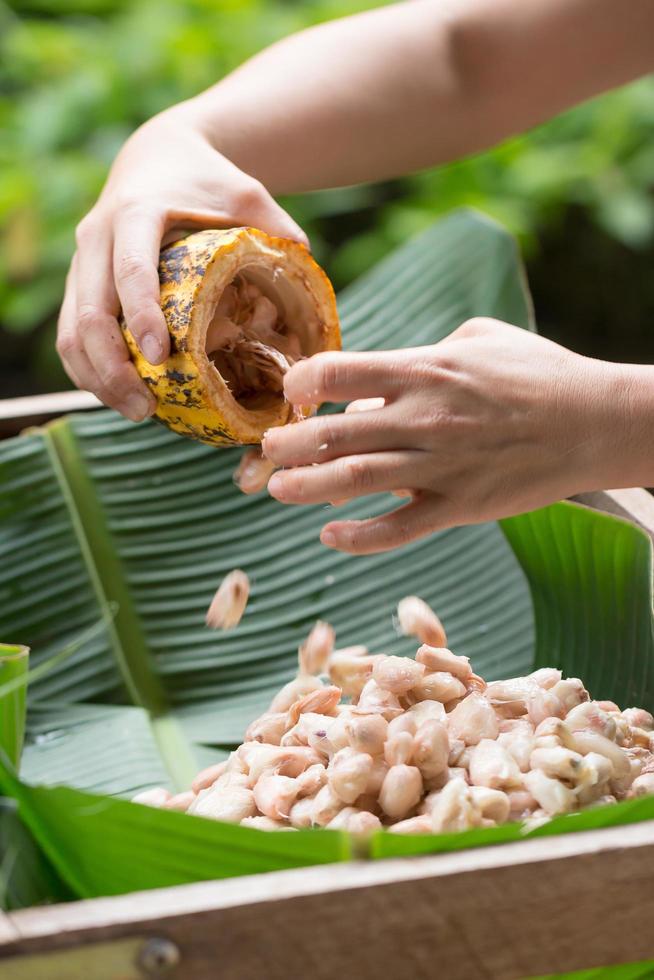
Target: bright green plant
{"x":104,"y":511}
{"x":13,"y":672}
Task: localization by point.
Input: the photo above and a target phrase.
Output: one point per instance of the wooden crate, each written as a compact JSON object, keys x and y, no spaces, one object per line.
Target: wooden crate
{"x":17,"y":414}
{"x":518,"y":910}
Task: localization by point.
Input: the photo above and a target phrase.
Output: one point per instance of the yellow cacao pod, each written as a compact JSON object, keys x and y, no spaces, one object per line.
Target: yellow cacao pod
{"x":231,"y":395}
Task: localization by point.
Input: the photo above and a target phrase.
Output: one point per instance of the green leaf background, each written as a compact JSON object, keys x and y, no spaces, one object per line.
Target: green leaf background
{"x":13,"y":670}
{"x":96,"y":511}
{"x":76,"y":78}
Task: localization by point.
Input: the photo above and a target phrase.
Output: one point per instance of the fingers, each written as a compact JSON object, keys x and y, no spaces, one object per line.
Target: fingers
{"x":121,"y":386}
{"x":246,"y":202}
{"x":72,"y":354}
{"x":350,"y":476}
{"x":335,"y":376}
{"x":255,"y":207}
{"x":410,"y":522}
{"x":137,"y":239}
{"x":115,"y":379}
{"x":323,"y":438}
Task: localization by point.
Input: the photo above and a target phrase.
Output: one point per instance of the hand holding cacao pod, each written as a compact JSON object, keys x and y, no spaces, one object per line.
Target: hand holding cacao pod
{"x":240,"y":307}
{"x":166,"y":180}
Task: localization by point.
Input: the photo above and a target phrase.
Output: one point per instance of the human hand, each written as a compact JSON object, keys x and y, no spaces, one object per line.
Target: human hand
{"x":492,"y":421}
{"x":167,"y":178}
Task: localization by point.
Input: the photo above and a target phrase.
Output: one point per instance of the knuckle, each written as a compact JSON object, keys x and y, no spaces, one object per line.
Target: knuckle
{"x":430,"y":373}
{"x":88,"y":318}
{"x":294,"y":484}
{"x":126,"y":205}
{"x":441,"y":370}
{"x":249,"y":196}
{"x":440,"y":418}
{"x":324,"y":436}
{"x":474,"y":326}
{"x":85,"y":230}
{"x":331,"y":372}
{"x":107,"y":397}
{"x":65,"y":344}
{"x":130,"y":265}
{"x":117,"y":378}
{"x":357,"y":474}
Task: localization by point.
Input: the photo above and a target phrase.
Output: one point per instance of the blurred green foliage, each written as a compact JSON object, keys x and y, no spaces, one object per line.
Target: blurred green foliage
{"x":77,"y":76}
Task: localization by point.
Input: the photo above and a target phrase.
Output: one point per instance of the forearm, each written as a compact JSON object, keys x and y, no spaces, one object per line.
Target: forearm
{"x":415,"y":84}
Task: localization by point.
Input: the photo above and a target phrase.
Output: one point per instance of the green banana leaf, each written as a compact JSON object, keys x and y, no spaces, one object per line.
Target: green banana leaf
{"x":26,"y":877}
{"x":627,"y":971}
{"x":13,"y":668}
{"x":85,"y":835}
{"x":101,"y":512}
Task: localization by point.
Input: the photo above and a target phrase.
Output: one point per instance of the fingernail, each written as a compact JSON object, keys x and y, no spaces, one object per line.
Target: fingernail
{"x":328,"y":538}
{"x":151,"y":348}
{"x":138,"y":407}
{"x":276,"y":485}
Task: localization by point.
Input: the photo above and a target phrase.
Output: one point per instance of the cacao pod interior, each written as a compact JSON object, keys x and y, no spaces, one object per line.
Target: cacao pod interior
{"x":296,"y":333}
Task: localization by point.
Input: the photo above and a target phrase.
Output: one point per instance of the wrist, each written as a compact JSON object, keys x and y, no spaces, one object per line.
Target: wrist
{"x":621,"y":427}
{"x":186,"y":115}
{"x":210,"y":120}
{"x":196,"y":113}
{"x":204,"y":114}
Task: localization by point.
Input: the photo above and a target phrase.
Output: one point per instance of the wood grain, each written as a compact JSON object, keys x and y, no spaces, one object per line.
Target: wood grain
{"x":519,"y":910}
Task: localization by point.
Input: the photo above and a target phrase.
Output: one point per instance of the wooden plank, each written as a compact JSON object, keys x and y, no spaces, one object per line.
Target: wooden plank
{"x":115,"y":960}
{"x":540,"y":906}
{"x":38,"y":406}
{"x":8,"y":930}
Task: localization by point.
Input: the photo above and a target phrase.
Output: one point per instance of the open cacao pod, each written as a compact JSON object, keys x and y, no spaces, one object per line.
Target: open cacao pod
{"x":241,"y":307}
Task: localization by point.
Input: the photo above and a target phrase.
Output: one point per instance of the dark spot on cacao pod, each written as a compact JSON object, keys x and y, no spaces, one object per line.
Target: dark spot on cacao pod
{"x":178,"y":376}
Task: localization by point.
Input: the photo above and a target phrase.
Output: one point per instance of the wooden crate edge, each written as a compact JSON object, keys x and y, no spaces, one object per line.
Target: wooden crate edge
{"x":539,"y":906}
